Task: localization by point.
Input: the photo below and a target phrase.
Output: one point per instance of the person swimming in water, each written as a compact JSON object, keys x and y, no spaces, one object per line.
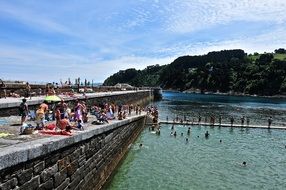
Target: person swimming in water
{"x":243,"y":163}
{"x":189,"y":131}
{"x":220,"y":141}
{"x":182,"y":134}
{"x":175,"y":134}
{"x":158,"y":132}
{"x":140,"y":145}
{"x":207,"y":134}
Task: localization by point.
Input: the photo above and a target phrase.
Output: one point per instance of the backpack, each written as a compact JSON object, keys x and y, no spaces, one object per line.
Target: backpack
{"x":22,"y":107}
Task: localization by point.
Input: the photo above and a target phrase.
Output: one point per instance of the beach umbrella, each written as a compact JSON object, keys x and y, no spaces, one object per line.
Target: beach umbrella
{"x":53,"y":98}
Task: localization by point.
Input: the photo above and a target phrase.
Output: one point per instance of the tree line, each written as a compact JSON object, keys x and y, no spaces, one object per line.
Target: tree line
{"x":219,"y":71}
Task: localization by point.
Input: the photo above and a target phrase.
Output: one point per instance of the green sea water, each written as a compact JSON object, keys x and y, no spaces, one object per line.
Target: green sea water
{"x":171,"y":163}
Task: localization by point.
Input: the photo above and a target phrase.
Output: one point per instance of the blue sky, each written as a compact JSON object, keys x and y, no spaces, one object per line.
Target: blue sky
{"x":49,"y":40}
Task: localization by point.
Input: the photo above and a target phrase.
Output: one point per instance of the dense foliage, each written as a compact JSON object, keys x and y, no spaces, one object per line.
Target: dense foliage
{"x":147,"y":77}
{"x":223,"y":71}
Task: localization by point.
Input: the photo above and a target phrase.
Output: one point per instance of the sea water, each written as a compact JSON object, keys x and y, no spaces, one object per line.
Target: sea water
{"x":168,"y":162}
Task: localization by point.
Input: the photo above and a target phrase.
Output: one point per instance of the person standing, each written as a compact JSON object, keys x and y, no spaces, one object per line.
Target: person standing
{"x":28,"y":90}
{"x":23,"y":110}
{"x":41,"y":115}
{"x":231,"y":121}
{"x":269,"y":121}
{"x":247,"y":121}
{"x":3,"y":87}
{"x":242,"y":120}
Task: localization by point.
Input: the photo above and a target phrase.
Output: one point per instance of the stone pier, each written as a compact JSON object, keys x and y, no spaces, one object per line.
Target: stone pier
{"x":82,"y":161}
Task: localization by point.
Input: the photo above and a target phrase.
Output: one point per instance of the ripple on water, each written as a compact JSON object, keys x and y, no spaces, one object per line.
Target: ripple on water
{"x":169,"y":163}
{"x":166,"y":162}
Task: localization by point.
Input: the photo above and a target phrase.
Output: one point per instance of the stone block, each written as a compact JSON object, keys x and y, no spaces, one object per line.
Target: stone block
{"x":80,"y":185}
{"x":63,"y":163}
{"x":75,"y":182}
{"x":51,"y":160}
{"x":32,"y":184}
{"x":47,"y":185}
{"x":88,"y":177}
{"x":64,"y":185}
{"x":25,"y":176}
{"x":60,"y":177}
{"x":10,"y":184}
{"x":75,"y":155}
{"x":48,"y":173}
{"x":81,"y":160}
{"x":71,"y":168}
{"x":38,"y":168}
{"x":78,"y":173}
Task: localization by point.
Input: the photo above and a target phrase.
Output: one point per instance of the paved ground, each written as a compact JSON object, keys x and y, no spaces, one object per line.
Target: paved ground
{"x":222,"y":125}
{"x":13,"y":102}
{"x":10,"y":130}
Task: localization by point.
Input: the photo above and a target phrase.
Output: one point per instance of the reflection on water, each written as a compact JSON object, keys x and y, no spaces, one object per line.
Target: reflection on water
{"x":169,"y":163}
{"x":258,"y":109}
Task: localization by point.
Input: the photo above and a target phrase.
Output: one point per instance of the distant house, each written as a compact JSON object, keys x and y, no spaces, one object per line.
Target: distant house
{"x":123,"y":86}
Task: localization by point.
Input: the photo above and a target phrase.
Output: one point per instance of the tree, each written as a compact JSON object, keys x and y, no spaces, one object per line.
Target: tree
{"x":280,"y":50}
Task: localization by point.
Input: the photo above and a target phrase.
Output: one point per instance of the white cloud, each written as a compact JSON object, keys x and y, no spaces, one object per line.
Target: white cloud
{"x":35,"y":64}
{"x":188,"y":16}
{"x":106,"y":37}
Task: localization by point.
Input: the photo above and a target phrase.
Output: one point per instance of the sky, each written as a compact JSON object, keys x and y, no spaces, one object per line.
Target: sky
{"x":53,"y":40}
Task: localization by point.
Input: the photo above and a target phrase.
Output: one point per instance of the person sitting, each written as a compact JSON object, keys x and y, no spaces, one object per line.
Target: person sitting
{"x":80,"y":125}
{"x":120,"y":117}
{"x":65,"y":125}
{"x":40,"y":115}
{"x":102,"y":117}
{"x":14,"y":95}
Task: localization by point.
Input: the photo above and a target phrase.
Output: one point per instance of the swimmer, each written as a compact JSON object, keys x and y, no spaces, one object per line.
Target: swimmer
{"x":189,"y":131}
{"x":220,"y":141}
{"x":187,"y":140}
{"x":244,"y":163}
{"x":175,"y":134}
{"x":198,"y":136}
{"x":140,"y":145}
{"x":171,"y":134}
{"x":172,"y":128}
{"x":182,"y":134}
{"x":158,"y":132}
{"x":207,"y":134}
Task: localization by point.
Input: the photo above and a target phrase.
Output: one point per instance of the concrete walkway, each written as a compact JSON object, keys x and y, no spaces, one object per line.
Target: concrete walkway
{"x":12,"y":135}
{"x":222,"y":125}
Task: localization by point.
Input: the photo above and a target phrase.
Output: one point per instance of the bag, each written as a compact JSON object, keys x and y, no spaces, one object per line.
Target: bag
{"x":21,"y":108}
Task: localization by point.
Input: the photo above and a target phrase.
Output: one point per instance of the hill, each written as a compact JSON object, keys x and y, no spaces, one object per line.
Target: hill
{"x":219,"y":71}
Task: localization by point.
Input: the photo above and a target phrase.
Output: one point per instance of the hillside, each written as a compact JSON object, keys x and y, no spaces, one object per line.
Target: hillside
{"x":223,"y":71}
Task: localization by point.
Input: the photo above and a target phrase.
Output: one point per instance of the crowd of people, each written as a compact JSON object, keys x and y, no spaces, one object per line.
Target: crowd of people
{"x":66,"y":116}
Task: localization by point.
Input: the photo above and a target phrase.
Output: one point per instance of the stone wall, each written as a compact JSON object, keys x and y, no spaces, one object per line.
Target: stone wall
{"x":127,"y":97}
{"x":83,"y":161}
